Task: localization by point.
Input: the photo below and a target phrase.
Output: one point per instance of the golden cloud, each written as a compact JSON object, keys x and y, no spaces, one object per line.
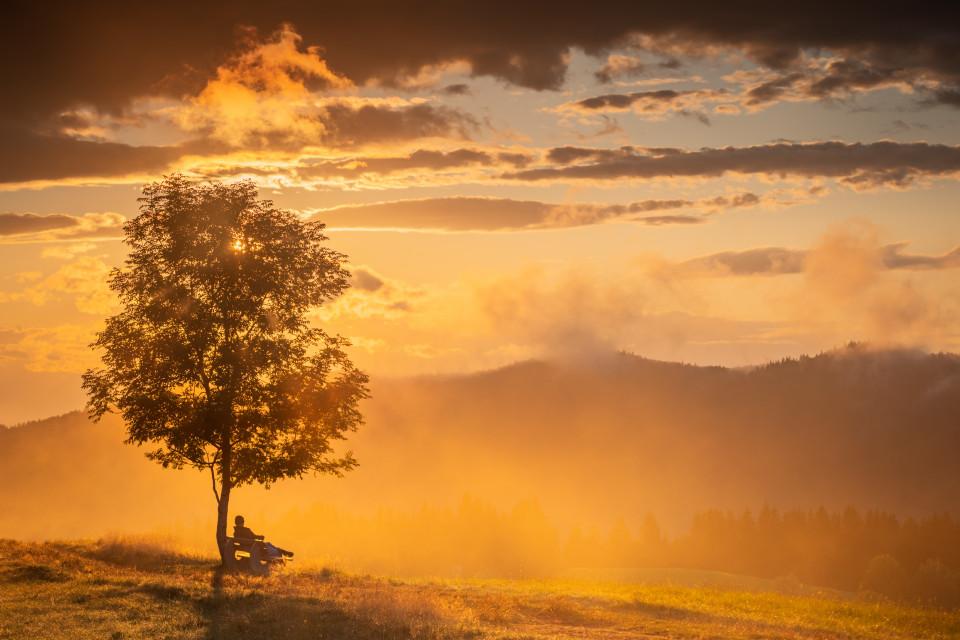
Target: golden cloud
{"x":262,"y":94}
{"x":85,"y":280}
{"x":55,"y":349}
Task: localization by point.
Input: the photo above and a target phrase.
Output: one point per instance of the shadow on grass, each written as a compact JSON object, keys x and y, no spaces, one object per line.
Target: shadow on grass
{"x":667,"y":612}
{"x":244,"y":611}
{"x":36,"y":573}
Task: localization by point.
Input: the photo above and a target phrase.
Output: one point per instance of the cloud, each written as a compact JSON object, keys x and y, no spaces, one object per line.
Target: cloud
{"x":272,"y":95}
{"x":372,"y":296}
{"x":620,"y":66}
{"x":260,"y":97}
{"x":67,"y":252}
{"x":760,"y":261}
{"x":85,"y":280}
{"x":776,"y":261}
{"x":417,"y":161}
{"x":62,"y":348}
{"x":78,"y":59}
{"x":828,"y":78}
{"x":275,"y":94}
{"x":365,"y":279}
{"x":29,"y":156}
{"x":650,"y":104}
{"x":857,"y":165}
{"x":893,"y":257}
{"x":30,"y":227}
{"x":582,"y":313}
{"x":275,"y":89}
{"x":809,"y":79}
{"x":349,"y":126}
{"x":458,"y":89}
{"x":503,"y":214}
{"x":568,"y":315}
{"x":848,"y":280}
{"x":16,"y":224}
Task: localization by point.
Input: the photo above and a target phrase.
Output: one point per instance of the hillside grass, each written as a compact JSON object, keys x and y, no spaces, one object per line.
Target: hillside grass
{"x":134,"y":588}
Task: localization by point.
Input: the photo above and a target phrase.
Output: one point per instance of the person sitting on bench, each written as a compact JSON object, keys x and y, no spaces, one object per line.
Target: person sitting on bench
{"x":241,"y":531}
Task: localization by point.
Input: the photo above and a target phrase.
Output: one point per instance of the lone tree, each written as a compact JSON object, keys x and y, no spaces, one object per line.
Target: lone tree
{"x":212,"y":357}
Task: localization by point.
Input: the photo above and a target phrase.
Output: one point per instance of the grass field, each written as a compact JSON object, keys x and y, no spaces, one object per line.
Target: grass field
{"x":129,"y":588}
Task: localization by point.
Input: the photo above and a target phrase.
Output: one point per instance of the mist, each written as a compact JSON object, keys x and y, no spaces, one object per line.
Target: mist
{"x":500,"y":472}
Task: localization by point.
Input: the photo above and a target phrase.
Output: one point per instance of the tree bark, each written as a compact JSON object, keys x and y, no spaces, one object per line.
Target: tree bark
{"x":222,"y":515}
{"x":223,"y":506}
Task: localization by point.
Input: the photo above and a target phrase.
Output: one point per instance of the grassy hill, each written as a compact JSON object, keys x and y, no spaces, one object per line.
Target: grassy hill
{"x":132,"y":589}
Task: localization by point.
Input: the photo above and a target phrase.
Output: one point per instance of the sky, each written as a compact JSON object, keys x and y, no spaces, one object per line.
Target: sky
{"x":699,"y":182}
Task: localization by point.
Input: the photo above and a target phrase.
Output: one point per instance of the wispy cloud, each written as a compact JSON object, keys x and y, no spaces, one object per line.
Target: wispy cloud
{"x":856,"y":165}
{"x":503,"y":214}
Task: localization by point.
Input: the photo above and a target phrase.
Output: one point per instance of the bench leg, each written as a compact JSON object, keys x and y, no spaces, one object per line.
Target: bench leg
{"x":257,"y":565}
{"x":229,"y":555}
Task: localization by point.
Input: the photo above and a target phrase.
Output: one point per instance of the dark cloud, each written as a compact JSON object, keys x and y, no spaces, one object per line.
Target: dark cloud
{"x":641,"y":100}
{"x":858,"y":165}
{"x":772,"y":90}
{"x":61,"y":226}
{"x":518,"y":160}
{"x":457,"y":90}
{"x":658,"y":103}
{"x":620,"y":101}
{"x":15,"y":224}
{"x":27,"y":155}
{"x":949,"y":97}
{"x":838,"y":79}
{"x":98,"y":59}
{"x":348,"y":125}
{"x":105,"y":54}
{"x":364,"y":279}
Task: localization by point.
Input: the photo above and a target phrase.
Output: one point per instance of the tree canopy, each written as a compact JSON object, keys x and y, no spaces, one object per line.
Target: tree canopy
{"x":212,"y":358}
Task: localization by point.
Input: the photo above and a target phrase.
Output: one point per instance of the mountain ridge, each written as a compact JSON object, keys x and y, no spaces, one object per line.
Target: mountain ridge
{"x":628,"y":436}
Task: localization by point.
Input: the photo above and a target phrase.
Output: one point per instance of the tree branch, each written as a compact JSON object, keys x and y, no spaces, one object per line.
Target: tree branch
{"x":213,"y":476}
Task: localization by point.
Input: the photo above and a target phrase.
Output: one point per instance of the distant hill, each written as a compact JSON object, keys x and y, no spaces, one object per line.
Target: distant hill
{"x":65,"y":477}
{"x":878,"y":429}
{"x":624,"y":436}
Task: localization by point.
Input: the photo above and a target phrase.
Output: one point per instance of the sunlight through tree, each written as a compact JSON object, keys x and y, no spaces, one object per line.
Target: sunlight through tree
{"x":212,"y":357}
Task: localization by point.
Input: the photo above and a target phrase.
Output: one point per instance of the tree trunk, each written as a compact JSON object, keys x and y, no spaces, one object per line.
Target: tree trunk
{"x":223,"y":512}
{"x":223,"y":506}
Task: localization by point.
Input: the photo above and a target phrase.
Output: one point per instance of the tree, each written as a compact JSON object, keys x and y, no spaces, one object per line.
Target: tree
{"x":885,"y":576}
{"x":212,"y":357}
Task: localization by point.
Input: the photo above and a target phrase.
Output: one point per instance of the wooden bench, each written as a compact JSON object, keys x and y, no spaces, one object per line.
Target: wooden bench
{"x":250,"y":554}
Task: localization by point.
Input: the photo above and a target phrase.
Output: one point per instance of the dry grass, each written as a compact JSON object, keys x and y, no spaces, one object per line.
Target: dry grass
{"x":142,"y":588}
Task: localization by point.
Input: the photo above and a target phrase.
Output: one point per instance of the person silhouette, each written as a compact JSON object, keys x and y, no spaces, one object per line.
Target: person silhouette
{"x":240,"y":530}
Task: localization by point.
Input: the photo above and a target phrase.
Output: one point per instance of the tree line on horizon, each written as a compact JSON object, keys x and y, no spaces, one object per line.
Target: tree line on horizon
{"x":872,"y":552}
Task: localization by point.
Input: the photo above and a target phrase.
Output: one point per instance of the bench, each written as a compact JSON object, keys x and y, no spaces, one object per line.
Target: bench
{"x":250,"y":554}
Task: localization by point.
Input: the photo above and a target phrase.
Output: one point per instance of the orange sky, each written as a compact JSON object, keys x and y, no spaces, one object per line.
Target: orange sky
{"x":690,"y":183}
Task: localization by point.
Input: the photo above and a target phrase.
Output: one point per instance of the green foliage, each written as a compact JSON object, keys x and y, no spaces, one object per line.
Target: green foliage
{"x":212,"y":356}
